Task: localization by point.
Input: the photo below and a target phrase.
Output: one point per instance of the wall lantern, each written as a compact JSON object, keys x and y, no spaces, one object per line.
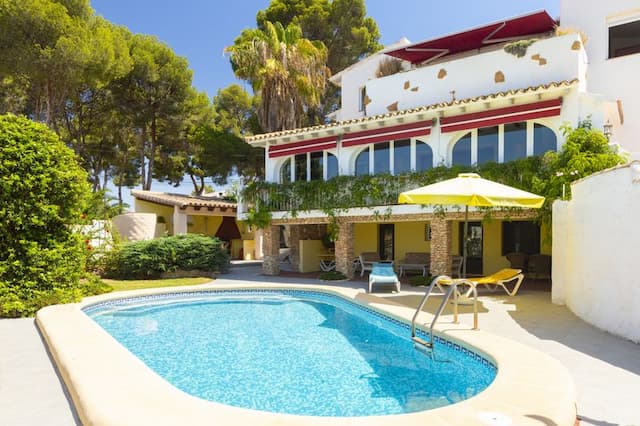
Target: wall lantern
{"x":607,"y":130}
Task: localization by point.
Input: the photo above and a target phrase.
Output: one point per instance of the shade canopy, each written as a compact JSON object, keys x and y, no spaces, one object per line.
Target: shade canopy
{"x":469,"y":189}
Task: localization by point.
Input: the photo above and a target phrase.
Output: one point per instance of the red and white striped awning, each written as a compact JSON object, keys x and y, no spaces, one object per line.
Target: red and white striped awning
{"x":403,"y":131}
{"x":313,"y":145}
{"x":494,"y":117}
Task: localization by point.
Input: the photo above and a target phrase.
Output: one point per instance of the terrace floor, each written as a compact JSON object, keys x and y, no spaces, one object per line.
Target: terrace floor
{"x":605,"y":368}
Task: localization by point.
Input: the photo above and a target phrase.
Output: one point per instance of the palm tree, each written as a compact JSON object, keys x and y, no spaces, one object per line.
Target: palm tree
{"x":287,"y":72}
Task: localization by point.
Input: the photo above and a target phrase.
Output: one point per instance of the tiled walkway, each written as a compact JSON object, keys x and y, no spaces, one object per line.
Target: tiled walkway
{"x":605,"y":369}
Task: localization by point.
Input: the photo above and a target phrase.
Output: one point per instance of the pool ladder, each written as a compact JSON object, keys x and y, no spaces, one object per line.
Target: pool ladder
{"x":452,"y":290}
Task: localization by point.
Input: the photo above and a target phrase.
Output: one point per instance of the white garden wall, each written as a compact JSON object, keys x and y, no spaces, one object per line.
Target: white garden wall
{"x":596,"y":242}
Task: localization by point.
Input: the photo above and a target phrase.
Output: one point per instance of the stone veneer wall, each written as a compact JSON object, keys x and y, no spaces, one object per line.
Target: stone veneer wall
{"x":441,"y":235}
{"x":271,"y":250}
{"x":344,"y":249}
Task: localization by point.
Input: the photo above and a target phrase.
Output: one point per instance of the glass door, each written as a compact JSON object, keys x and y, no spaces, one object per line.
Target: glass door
{"x":386,"y":234}
{"x":474,"y":247}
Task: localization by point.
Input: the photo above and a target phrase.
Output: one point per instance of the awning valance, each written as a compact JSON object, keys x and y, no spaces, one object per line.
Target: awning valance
{"x":403,"y":131}
{"x":494,"y":117}
{"x":313,"y":145}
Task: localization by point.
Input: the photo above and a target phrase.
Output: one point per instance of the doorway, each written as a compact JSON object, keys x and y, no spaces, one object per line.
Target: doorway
{"x":474,"y":246}
{"x":386,"y":237}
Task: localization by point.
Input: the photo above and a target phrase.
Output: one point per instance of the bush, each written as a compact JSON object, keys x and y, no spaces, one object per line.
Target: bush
{"x":148,"y":259}
{"x":43,"y":192}
{"x":419,"y":280}
{"x":332,"y":276}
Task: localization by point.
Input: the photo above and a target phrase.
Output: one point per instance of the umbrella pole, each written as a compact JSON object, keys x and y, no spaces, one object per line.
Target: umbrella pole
{"x":464,"y":242}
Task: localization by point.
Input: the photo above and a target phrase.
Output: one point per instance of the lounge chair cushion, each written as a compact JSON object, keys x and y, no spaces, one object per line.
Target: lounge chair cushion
{"x":382,"y":273}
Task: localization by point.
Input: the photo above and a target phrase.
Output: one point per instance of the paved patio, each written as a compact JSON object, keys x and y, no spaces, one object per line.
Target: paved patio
{"x":605,"y":369}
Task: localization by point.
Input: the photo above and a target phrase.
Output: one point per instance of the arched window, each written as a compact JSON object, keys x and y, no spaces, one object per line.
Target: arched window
{"x":515,"y":141}
{"x":362,"y":163}
{"x":285,"y":171}
{"x":301,"y":167}
{"x":544,"y":139}
{"x":461,"y":155}
{"x":488,"y":144}
{"x":381,"y":158}
{"x":424,"y":156}
{"x":401,"y":156}
{"x":332,"y":166}
{"x":316,"y":165}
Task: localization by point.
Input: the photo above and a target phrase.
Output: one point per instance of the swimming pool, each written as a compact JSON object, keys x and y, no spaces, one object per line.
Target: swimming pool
{"x":109,"y":385}
{"x":291,"y":351}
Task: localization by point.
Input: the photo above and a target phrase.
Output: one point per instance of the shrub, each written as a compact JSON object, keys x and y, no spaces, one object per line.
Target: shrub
{"x":332,"y":276}
{"x":43,"y":192}
{"x":419,"y":280}
{"x":148,"y":259}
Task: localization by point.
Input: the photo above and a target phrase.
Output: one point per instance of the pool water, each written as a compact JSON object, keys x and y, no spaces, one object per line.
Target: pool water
{"x":296,"y":352}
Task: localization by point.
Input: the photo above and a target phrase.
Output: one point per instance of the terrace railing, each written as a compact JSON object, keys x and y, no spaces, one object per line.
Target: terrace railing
{"x":345,"y":192}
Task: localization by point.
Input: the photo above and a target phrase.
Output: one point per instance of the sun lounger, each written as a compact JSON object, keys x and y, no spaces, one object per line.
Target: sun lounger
{"x":382,"y":273}
{"x":493,"y":281}
{"x":367,"y":259}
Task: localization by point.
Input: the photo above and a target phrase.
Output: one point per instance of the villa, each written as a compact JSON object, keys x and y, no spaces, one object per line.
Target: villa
{"x":494,"y":93}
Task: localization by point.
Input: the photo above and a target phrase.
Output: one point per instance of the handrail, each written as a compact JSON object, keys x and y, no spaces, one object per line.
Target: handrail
{"x":453,"y":289}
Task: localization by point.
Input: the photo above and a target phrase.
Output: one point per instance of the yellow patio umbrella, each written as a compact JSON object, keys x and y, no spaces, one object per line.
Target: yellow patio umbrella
{"x":469,"y":189}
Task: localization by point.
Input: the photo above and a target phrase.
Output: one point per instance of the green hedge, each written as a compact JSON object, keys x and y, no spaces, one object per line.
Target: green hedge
{"x":43,"y":191}
{"x":149,"y":259}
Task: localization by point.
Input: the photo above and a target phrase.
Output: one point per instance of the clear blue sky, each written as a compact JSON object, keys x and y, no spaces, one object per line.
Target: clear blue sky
{"x":201,"y":29}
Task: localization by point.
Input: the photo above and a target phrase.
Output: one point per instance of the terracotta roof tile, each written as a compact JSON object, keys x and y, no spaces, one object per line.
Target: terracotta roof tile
{"x":182,"y":200}
{"x":426,"y":108}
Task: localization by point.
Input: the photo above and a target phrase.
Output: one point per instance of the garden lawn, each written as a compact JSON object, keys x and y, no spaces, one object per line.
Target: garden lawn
{"x":122,"y":285}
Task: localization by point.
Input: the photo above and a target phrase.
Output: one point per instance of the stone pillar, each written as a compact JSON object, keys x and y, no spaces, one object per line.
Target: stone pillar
{"x":179,"y":221}
{"x":441,"y":236}
{"x":344,"y":249}
{"x":271,"y":250}
{"x":294,"y":245}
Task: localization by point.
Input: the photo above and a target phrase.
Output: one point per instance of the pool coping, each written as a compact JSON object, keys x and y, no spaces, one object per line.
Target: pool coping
{"x":110,"y":386}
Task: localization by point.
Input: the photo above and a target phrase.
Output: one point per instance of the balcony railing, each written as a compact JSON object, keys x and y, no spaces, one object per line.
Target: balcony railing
{"x":342,"y":192}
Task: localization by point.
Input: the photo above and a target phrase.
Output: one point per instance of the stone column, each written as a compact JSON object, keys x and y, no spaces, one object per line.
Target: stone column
{"x":179,"y":221}
{"x":344,"y":249}
{"x":294,"y":245}
{"x":441,"y":236}
{"x":271,"y":250}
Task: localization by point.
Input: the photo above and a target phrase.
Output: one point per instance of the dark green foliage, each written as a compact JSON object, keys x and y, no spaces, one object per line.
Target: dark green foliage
{"x":43,"y":191}
{"x":148,"y":259}
{"x":585,"y":151}
{"x":332,"y":276}
{"x":419,"y":280}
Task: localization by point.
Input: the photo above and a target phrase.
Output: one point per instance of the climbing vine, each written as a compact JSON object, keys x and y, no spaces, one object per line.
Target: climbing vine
{"x":585,"y":151}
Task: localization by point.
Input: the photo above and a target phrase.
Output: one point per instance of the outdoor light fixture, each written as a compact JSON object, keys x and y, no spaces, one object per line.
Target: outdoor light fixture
{"x":607,"y":130}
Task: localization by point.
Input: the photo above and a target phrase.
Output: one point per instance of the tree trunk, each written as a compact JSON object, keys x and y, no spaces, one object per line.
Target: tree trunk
{"x":152,"y":155}
{"x":120,"y":202}
{"x":143,"y":144}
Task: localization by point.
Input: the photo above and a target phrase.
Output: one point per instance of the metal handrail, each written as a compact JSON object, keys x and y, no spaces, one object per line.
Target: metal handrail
{"x":453,"y":289}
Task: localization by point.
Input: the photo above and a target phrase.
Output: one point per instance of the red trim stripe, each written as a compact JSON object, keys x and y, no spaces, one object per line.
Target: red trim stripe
{"x":313,"y":145}
{"x":506,"y":115}
{"x":303,"y":150}
{"x":403,"y":131}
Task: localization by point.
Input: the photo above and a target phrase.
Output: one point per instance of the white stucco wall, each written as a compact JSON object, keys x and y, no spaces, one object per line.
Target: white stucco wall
{"x":595,"y":251}
{"x":474,"y":75}
{"x":135,"y":226}
{"x":357,"y":76}
{"x":617,"y":78}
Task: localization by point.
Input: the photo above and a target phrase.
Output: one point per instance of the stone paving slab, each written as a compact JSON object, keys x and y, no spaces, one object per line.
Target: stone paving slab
{"x":30,"y":391}
{"x":605,"y":368}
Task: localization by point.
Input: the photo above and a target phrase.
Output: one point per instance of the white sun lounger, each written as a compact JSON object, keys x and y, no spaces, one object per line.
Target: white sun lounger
{"x":382,"y":273}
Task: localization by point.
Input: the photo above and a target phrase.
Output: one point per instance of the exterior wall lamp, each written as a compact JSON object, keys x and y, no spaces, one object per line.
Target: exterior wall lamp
{"x":607,"y":130}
